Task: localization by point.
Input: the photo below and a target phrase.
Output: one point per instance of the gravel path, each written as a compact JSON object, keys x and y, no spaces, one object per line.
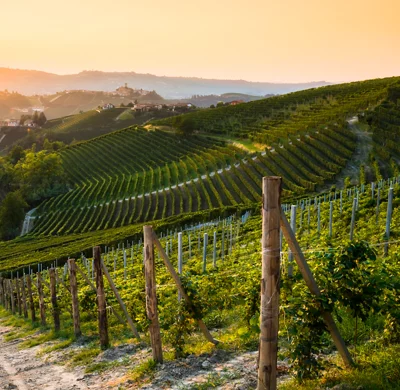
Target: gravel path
{"x":22,"y":370}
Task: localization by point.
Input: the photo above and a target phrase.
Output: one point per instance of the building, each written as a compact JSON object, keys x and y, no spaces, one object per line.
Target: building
{"x":108,"y":106}
{"x":11,"y":122}
{"x":124,"y":91}
{"x":235,"y":102}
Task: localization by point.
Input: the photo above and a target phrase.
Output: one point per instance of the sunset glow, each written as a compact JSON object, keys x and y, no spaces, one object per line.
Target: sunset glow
{"x":258,"y":40}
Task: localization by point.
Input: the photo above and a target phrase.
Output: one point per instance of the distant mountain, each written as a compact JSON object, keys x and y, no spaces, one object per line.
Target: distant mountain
{"x":29,"y":82}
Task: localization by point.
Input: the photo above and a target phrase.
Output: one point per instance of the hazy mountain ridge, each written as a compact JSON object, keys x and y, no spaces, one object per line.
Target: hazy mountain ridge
{"x":30,"y":82}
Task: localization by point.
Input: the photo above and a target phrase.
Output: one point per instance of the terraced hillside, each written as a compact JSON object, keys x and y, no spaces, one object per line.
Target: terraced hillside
{"x":277,"y":118}
{"x":136,"y":175}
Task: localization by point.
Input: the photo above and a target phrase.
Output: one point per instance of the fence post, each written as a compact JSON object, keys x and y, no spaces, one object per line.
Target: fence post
{"x":269,"y":309}
{"x":293,"y":226}
{"x":388,"y":219}
{"x":205,"y":243}
{"x":41,"y":299}
{"x":24,"y":303}
{"x":378,"y":200}
{"x":151,"y":294}
{"x":11,"y":289}
{"x":54,"y":303}
{"x":101,"y":299}
{"x":330,"y":218}
{"x":353,"y":218}
{"x":17,"y":285}
{"x":74,"y":297}
{"x":215,"y":249}
{"x":31,"y":303}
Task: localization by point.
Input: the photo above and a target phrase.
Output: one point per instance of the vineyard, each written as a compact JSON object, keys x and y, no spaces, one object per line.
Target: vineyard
{"x":219,"y":266}
{"x":336,"y":149}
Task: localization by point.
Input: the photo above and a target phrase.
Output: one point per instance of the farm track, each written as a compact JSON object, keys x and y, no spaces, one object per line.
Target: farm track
{"x":22,"y":370}
{"x":360,"y":156}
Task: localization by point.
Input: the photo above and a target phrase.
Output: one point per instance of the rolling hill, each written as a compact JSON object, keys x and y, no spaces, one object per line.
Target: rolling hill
{"x":30,"y":82}
{"x":306,"y":140}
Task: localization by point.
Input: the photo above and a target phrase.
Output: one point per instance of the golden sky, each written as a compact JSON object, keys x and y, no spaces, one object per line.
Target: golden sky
{"x":258,"y":40}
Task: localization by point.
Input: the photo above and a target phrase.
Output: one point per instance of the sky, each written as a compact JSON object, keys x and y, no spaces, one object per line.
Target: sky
{"x":255,"y":40}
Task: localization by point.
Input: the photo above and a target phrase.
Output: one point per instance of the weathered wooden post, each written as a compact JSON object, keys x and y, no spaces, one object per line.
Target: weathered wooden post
{"x":353,"y":218}
{"x":31,"y":303}
{"x":11,"y":289}
{"x":151,"y":294}
{"x":54,"y":303}
{"x":388,"y":220}
{"x":293,"y":211}
{"x":74,"y":297}
{"x":215,"y":249}
{"x":378,"y":200}
{"x":1,"y":292}
{"x":101,"y":299}
{"x":19,"y":302}
{"x":269,"y":309}
{"x":205,"y":243}
{"x":24,"y":302}
{"x":319,"y":218}
{"x":42,"y":306}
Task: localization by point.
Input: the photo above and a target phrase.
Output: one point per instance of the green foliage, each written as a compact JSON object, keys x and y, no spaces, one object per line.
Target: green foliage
{"x":40,"y":175}
{"x":12,"y":212}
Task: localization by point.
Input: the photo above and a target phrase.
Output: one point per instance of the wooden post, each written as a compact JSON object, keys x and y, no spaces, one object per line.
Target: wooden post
{"x":151,"y":294}
{"x":378,"y":200}
{"x":319,"y":218}
{"x":293,"y":226}
{"x":178,"y":283}
{"x":269,"y":309}
{"x":121,"y":303}
{"x":42,"y":306}
{"x":18,"y":288}
{"x":54,"y":303}
{"x":313,"y":287}
{"x":24,"y":303}
{"x":330,"y":218}
{"x":88,"y":281}
{"x":215,"y":249}
{"x":223,"y":244}
{"x":31,"y":303}
{"x":353,"y":218}
{"x":74,"y":297}
{"x":101,"y":299}
{"x":180,"y":260}
{"x":1,"y":292}
{"x":388,"y":220}
{"x":205,"y":243}
{"x":11,"y":289}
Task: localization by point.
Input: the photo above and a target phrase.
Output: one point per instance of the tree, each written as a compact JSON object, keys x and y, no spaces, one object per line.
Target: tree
{"x":12,"y":212}
{"x":15,"y":154}
{"x":35,"y":117}
{"x":220,"y":104}
{"x":42,"y":119}
{"x":212,"y":106}
{"x":185,"y":124}
{"x":40,"y":175}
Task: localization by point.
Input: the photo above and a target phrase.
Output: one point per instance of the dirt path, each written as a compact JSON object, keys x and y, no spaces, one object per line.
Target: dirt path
{"x":22,"y":370}
{"x":360,"y":156}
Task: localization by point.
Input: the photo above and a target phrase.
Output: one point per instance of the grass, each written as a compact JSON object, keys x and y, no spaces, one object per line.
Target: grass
{"x":144,"y":370}
{"x":378,"y":368}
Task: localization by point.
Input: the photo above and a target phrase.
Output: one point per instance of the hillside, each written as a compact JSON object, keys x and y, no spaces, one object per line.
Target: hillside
{"x":200,"y":175}
{"x":75,"y":128}
{"x":30,"y":82}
